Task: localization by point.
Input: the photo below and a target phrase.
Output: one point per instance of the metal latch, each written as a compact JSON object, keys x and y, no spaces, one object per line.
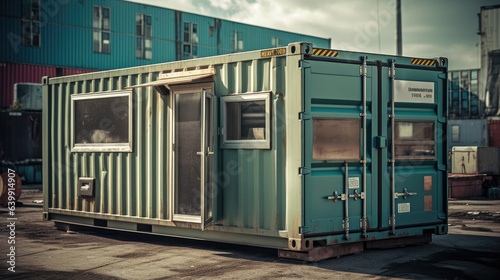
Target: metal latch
{"x":357,"y":195}
{"x":404,"y":194}
{"x":336,"y":197}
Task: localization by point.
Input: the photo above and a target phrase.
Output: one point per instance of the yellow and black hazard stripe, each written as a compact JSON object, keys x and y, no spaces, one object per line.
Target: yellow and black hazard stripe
{"x":425,"y":62}
{"x":325,"y":52}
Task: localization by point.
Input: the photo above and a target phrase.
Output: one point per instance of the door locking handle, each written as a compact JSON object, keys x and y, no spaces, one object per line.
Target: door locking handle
{"x":199,"y":153}
{"x":404,"y":194}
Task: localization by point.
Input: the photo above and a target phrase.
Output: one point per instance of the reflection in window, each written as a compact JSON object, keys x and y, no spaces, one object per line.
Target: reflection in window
{"x":101,"y":25}
{"x":414,"y":140}
{"x":246,"y":120}
{"x":101,"y":120}
{"x":336,"y":139}
{"x":143,"y":48}
{"x":190,"y":48}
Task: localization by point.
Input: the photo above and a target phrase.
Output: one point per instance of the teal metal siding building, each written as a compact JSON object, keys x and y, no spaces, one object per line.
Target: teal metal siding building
{"x":110,"y":34}
{"x":300,"y":148}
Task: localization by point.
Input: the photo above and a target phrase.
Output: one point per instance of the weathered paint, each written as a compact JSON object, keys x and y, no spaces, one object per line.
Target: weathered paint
{"x":275,"y":197}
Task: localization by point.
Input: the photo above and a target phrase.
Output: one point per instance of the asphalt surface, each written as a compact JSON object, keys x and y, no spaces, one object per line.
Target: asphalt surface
{"x":471,"y":250}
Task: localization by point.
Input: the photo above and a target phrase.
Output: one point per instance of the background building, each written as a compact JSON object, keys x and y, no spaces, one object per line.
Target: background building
{"x":463,"y":95}
{"x":57,"y":38}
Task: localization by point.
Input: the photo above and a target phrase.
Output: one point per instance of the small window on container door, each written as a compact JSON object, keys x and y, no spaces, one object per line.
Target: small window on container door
{"x":414,"y":140}
{"x":336,"y":139}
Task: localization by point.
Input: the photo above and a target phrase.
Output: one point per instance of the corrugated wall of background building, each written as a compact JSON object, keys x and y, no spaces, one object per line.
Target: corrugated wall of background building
{"x":67,"y":35}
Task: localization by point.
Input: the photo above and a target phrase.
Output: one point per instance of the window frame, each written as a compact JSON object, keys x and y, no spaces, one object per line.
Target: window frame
{"x":100,"y":30}
{"x":31,"y":22}
{"x":143,"y":37}
{"x":247,"y":144}
{"x":236,"y":38}
{"x":455,"y":133}
{"x":192,"y":42}
{"x":102,"y":147}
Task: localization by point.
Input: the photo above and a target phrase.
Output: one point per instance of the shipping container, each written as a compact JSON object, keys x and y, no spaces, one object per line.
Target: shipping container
{"x":494,"y":131}
{"x":476,"y":160}
{"x":12,"y":73}
{"x":296,"y":148}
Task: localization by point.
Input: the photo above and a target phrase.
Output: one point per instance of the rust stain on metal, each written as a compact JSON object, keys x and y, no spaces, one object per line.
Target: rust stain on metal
{"x":428,"y":203}
{"x":428,"y":183}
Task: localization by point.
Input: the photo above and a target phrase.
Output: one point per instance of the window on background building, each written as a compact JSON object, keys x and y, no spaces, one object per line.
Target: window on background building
{"x":473,"y":75}
{"x":474,"y":103}
{"x":143,"y":48}
{"x":190,"y":47}
{"x":31,"y":22}
{"x":454,"y":76}
{"x":102,"y":34}
{"x":455,"y":133}
{"x":236,"y":41}
{"x":455,"y":102}
{"x":275,"y":42}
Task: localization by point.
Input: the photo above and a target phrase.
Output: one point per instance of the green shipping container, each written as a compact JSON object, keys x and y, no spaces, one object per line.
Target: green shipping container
{"x":294,"y":148}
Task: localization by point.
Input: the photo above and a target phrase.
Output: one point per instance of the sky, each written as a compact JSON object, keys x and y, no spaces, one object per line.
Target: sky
{"x":431,"y":28}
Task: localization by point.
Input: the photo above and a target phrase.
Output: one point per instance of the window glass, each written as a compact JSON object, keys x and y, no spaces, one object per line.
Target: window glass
{"x":101,"y":119}
{"x":454,"y":75}
{"x":455,"y":95}
{"x":464,"y":74}
{"x":246,"y":120}
{"x":336,"y":139}
{"x":464,"y":95}
{"x":414,"y":140}
{"x":474,"y":110}
{"x":454,"y":85}
{"x":455,"y":131}
{"x":473,"y":75}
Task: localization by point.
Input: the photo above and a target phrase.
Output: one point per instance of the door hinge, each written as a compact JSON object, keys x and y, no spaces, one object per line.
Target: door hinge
{"x":304,"y":229}
{"x":442,"y":76}
{"x":304,"y":64}
{"x":304,"y":171}
{"x":304,"y":116}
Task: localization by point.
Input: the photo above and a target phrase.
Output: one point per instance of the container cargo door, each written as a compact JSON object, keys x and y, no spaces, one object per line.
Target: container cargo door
{"x":339,"y":121}
{"x":193,"y":155}
{"x":413,"y":111}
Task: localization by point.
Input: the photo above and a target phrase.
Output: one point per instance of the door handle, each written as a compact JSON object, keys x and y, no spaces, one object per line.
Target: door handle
{"x":199,"y":153}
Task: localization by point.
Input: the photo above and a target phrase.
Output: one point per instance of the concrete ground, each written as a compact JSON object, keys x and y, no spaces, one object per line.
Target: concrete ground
{"x":471,"y":250}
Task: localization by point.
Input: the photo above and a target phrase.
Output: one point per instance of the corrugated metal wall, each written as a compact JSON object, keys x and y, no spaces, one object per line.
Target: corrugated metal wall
{"x":67,"y":34}
{"x":135,"y":184}
{"x":12,"y":73}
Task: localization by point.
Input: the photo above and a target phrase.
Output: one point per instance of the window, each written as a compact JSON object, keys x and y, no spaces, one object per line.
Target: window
{"x":236,"y":41}
{"x":474,"y":103}
{"x":31,"y":22}
{"x":143,"y":47}
{"x":190,"y":48}
{"x":336,"y":139}
{"x":275,"y":42}
{"x":102,"y":122}
{"x":102,"y":35}
{"x":414,"y":140}
{"x":247,"y":123}
{"x":454,"y":103}
{"x":455,"y":133}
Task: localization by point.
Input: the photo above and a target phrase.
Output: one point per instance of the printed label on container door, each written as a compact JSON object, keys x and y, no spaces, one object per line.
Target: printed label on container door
{"x":415,"y":92}
{"x":353,"y":182}
{"x":403,"y":207}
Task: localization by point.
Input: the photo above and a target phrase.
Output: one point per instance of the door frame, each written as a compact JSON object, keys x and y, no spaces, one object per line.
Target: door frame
{"x":206,"y":91}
